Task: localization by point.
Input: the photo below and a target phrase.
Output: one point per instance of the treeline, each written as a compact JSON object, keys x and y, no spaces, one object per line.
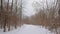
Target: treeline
{"x":49,"y":17}
{"x":45,"y":17}
{"x":8,"y":16}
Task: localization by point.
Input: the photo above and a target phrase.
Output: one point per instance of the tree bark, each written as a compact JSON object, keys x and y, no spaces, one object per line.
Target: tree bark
{"x":16,"y":15}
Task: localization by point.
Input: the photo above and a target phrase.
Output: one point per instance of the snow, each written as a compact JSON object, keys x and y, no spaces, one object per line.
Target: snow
{"x":28,"y":29}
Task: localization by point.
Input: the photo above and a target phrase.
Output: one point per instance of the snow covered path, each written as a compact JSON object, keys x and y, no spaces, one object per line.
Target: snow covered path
{"x":28,"y":29}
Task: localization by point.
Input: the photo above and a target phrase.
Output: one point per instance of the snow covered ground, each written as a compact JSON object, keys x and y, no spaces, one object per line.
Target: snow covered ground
{"x":28,"y":29}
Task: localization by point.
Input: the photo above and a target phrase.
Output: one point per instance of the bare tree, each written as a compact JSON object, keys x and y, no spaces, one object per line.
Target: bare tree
{"x":10,"y":15}
{"x":0,"y":12}
{"x":6,"y":16}
{"x":16,"y":14}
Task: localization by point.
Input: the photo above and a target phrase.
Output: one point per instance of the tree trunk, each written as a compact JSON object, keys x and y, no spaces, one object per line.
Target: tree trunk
{"x":5,"y":25}
{"x":1,"y":13}
{"x":4,"y":28}
{"x":8,"y":27}
{"x":16,"y":16}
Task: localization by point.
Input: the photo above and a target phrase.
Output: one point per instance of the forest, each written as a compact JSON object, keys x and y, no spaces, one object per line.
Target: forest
{"x":11,"y":14}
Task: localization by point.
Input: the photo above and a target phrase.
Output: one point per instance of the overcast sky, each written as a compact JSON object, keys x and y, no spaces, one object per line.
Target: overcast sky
{"x":29,"y":10}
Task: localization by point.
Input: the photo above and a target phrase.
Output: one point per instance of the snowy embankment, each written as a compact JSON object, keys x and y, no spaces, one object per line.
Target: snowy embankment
{"x":28,"y":29}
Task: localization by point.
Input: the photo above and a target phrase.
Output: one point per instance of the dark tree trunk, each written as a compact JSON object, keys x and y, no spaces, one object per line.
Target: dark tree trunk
{"x":8,"y":27}
{"x":1,"y":13}
{"x":5,"y":24}
{"x":16,"y":15}
{"x":6,"y":17}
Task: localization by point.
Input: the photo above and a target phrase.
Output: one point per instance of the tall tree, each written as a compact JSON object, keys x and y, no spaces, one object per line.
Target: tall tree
{"x":0,"y":12}
{"x":6,"y":16}
{"x":11,"y":8}
{"x":16,"y":14}
{"x":21,"y":14}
